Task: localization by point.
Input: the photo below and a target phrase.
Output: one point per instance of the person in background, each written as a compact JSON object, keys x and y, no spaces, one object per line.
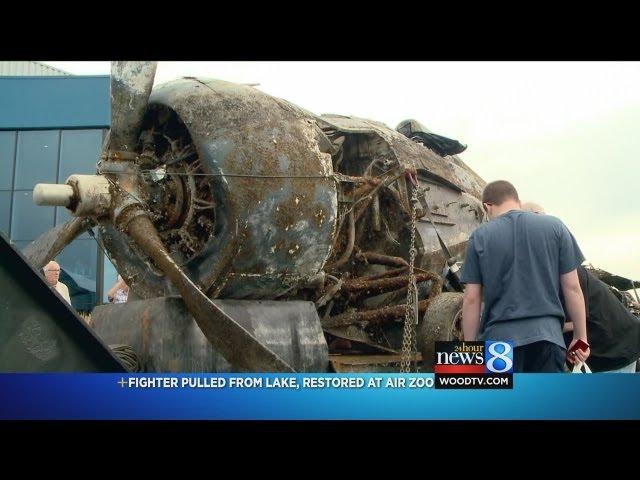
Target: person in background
{"x":52,"y":274}
{"x":533,"y":207}
{"x":518,"y":262}
{"x":613,"y":331}
{"x":119,"y":292}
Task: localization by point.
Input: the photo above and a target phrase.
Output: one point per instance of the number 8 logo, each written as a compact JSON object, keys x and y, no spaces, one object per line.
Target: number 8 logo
{"x":499,"y":355}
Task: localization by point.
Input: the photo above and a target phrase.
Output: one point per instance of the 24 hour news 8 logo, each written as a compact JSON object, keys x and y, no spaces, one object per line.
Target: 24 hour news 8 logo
{"x":474,"y":365}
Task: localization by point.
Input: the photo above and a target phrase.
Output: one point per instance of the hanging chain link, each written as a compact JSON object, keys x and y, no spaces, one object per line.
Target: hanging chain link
{"x":409,"y":339}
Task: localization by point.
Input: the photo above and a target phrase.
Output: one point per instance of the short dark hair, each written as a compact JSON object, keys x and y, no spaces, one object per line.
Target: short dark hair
{"x":497,"y":192}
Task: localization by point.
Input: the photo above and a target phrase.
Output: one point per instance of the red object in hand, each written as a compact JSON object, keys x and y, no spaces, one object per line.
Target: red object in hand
{"x":579,"y":345}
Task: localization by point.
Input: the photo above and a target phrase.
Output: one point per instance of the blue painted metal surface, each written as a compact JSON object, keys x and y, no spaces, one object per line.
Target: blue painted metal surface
{"x":54,"y":102}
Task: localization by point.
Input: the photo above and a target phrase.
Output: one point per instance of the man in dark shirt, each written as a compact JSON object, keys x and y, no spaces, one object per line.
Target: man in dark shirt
{"x":614,"y":332}
{"x":518,"y":263}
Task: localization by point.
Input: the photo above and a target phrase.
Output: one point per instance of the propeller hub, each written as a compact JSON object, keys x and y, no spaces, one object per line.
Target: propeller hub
{"x":82,"y":195}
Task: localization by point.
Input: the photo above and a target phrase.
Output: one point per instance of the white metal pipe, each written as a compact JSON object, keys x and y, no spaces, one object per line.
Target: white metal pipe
{"x":54,"y":195}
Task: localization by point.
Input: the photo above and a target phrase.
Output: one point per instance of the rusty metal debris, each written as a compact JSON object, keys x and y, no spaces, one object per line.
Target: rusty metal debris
{"x":379,"y":315}
{"x":380,"y":259}
{"x":384,"y":284}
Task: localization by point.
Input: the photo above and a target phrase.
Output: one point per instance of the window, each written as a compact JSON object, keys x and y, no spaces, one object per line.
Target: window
{"x":7,"y":156}
{"x":37,"y":158}
{"x":79,"y":152}
{"x":28,"y":220}
{"x":5,"y":211}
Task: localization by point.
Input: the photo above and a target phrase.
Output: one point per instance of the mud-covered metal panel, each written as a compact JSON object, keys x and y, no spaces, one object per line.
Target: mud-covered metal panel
{"x":167,"y":339}
{"x":454,"y":215}
{"x":450,"y":169}
{"x":272,"y":186}
{"x":39,"y":331}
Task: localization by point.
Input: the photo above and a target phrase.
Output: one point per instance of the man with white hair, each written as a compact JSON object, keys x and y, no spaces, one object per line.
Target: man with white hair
{"x":52,"y":274}
{"x":533,"y":207}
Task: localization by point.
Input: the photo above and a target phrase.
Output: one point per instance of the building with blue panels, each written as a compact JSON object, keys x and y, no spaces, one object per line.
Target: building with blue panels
{"x":51,"y":127}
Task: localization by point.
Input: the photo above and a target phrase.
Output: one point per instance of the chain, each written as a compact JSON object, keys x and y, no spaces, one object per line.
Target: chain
{"x":409,"y":342}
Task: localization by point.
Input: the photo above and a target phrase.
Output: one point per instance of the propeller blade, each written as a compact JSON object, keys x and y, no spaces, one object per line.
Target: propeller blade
{"x":234,"y":342}
{"x":52,"y":242}
{"x":131,"y":84}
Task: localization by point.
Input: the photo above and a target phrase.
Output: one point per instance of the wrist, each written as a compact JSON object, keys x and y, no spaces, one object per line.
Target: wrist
{"x":580,"y":337}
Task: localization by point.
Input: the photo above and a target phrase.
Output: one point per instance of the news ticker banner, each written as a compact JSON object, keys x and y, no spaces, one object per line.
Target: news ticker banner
{"x":312,"y":396}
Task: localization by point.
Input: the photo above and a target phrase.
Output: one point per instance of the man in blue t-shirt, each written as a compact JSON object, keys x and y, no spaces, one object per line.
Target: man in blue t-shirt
{"x":517,"y":263}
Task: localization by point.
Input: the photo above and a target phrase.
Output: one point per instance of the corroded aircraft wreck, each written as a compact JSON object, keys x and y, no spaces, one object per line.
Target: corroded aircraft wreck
{"x":257,"y":236}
